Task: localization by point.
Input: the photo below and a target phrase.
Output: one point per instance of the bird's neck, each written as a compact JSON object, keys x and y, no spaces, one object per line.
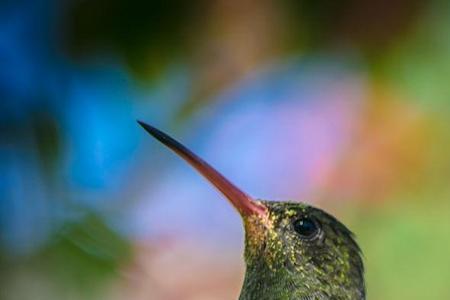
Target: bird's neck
{"x":267,"y":277}
{"x":263,"y":283}
{"x":270,"y":275}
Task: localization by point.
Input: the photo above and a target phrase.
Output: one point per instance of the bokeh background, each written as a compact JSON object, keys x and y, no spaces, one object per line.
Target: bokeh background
{"x":342,"y":104}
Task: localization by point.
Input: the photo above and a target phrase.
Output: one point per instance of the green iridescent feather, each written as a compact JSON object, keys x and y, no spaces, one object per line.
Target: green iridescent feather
{"x":282,"y":265}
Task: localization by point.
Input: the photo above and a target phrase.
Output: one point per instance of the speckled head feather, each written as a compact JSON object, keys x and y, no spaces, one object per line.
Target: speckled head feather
{"x":293,"y":251}
{"x":284,"y":263}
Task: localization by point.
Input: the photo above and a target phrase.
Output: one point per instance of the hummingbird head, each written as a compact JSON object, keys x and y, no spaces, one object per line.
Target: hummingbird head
{"x":303,"y":252}
{"x":292,"y":250}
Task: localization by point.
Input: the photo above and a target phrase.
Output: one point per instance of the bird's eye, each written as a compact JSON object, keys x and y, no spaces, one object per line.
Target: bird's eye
{"x":306,"y":227}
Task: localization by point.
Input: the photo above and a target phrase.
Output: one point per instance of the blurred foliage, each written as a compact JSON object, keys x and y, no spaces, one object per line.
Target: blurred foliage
{"x":409,"y":238}
{"x":78,"y":261}
{"x":371,"y":26}
{"x":153,"y":34}
{"x":138,"y":29}
{"x":48,"y":139}
{"x":419,"y":65}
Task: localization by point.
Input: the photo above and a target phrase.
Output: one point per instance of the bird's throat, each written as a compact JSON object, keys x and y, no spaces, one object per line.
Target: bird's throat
{"x":257,"y":230}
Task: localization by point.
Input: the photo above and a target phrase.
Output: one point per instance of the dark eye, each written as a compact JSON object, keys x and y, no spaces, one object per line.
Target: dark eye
{"x":306,"y":227}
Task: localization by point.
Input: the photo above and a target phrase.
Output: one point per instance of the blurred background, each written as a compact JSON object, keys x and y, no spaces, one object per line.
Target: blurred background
{"x":342,"y":104}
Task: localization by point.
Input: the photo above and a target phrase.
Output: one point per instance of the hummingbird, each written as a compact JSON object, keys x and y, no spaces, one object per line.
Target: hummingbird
{"x":293,"y":251}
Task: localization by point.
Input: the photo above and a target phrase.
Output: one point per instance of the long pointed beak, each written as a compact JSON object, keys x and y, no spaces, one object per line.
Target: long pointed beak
{"x":245,"y":204}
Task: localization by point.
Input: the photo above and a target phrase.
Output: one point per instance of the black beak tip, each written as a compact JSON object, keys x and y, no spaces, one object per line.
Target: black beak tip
{"x":141,"y":123}
{"x":148,"y":128}
{"x":159,"y":135}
